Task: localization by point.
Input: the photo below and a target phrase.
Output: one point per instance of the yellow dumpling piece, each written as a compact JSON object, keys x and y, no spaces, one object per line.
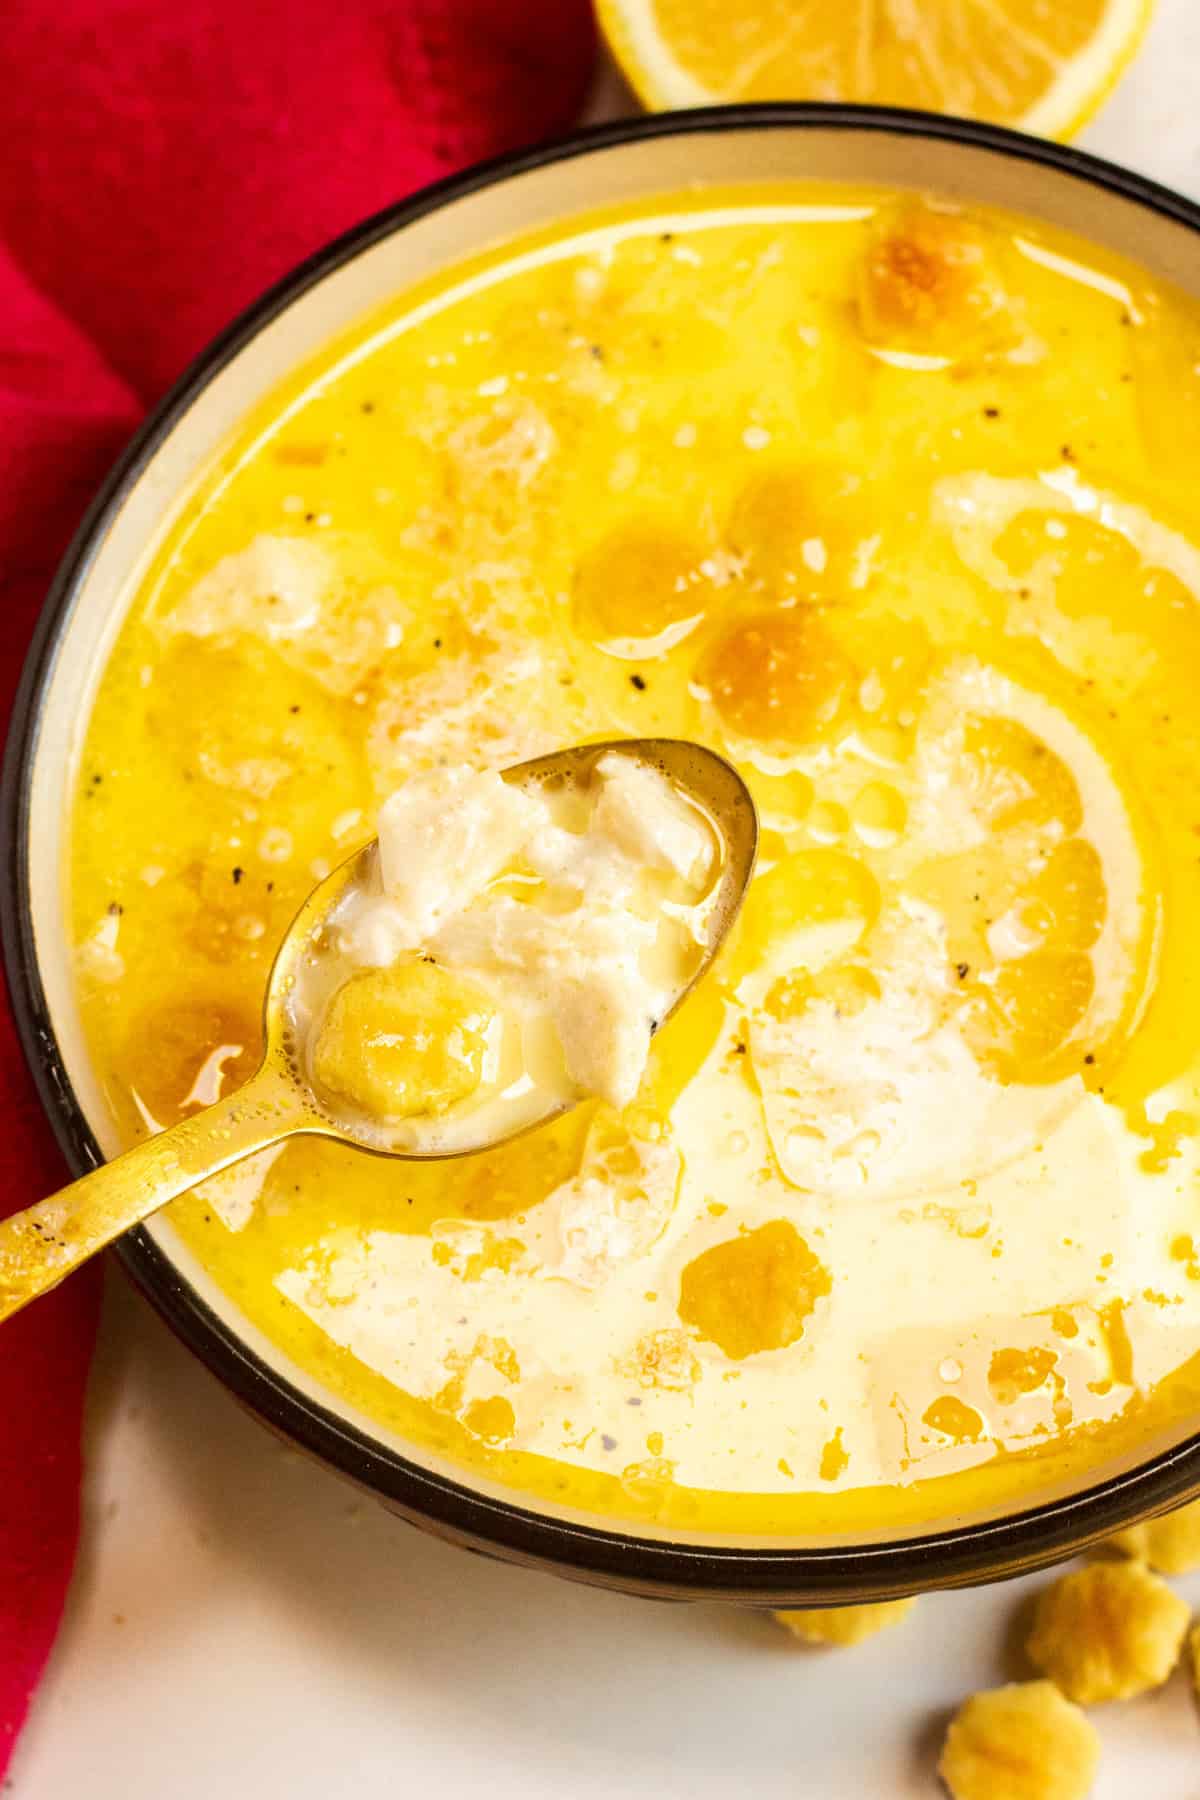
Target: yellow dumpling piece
{"x":804,"y":531}
{"x":930,"y":282}
{"x":755,"y":1292}
{"x":1107,"y":1632}
{"x":640,"y":589}
{"x":778,"y":677}
{"x":844,"y":1625}
{"x":1020,"y":1742}
{"x":1170,"y":1544}
{"x":404,"y":1040}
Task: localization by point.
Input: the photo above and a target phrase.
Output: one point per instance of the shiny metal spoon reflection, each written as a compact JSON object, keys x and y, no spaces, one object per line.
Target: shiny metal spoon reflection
{"x":42,"y":1245}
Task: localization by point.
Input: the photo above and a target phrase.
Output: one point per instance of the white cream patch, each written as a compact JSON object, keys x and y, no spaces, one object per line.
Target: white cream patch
{"x":889,"y":1100}
{"x":566,"y":905}
{"x":442,"y":838}
{"x":611,"y":1212}
{"x":97,"y":955}
{"x":640,"y":813}
{"x":296,"y":596}
{"x":234,"y":1193}
{"x":886,"y":1096}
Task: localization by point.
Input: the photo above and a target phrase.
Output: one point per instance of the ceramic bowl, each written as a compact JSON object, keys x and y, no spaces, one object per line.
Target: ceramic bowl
{"x":85,"y":608}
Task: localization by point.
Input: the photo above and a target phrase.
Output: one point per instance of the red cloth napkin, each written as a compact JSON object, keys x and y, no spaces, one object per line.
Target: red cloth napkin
{"x":161,"y":164}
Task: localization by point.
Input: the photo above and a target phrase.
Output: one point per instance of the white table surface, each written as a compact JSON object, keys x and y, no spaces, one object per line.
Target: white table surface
{"x":241,"y":1623}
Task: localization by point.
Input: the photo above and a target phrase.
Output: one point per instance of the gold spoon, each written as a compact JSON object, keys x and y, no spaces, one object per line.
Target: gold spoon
{"x":42,"y":1245}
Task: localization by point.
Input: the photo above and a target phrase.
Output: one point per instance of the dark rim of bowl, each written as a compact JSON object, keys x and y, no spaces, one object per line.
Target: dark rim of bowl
{"x":820,"y":1573}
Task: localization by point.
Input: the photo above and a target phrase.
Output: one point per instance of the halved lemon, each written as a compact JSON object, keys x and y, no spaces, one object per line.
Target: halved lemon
{"x":1042,"y":65}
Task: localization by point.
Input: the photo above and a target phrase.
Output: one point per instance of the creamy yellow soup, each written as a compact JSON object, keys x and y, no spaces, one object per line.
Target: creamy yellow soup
{"x":895,"y":507}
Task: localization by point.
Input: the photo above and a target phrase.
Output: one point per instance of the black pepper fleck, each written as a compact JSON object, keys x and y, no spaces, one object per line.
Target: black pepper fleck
{"x":237,"y":875}
{"x":962,"y":970}
{"x":115,"y":909}
{"x":1089,"y":1058}
{"x":293,"y":709}
{"x":639,"y":682}
{"x":991,"y":412}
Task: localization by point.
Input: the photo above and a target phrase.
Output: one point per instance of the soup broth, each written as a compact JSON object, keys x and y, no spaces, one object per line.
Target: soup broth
{"x":893,"y":505}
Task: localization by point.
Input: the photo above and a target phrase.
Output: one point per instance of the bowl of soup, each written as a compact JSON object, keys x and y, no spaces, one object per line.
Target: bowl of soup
{"x":863,"y":448}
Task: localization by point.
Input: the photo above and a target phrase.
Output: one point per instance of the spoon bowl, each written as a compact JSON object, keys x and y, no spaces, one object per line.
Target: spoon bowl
{"x":42,"y":1245}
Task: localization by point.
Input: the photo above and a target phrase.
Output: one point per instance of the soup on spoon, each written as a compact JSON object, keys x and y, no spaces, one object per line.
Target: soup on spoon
{"x":507,"y":946}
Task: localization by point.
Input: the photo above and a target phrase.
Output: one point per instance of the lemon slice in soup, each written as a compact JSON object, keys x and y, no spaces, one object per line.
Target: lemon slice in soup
{"x":933,"y":1021}
{"x":1048,"y":917}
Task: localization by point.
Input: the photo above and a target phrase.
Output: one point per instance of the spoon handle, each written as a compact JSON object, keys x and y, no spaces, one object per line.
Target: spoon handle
{"x":42,"y":1245}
